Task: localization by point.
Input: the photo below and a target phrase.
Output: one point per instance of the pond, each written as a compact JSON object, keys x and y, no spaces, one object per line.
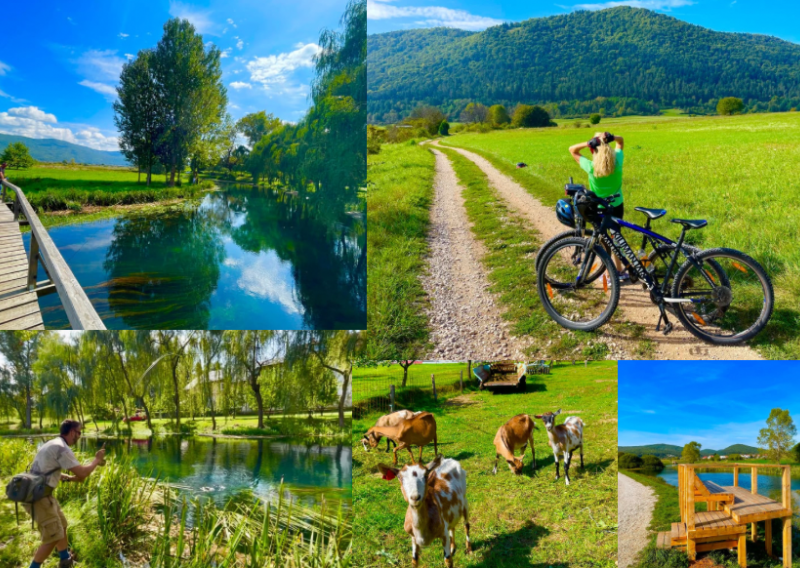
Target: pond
{"x":223,"y":468}
{"x":243,"y":258}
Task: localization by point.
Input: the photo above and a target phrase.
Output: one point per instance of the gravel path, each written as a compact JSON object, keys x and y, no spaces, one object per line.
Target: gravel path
{"x":634,"y":303}
{"x":463,"y":315}
{"x":635,"y":511}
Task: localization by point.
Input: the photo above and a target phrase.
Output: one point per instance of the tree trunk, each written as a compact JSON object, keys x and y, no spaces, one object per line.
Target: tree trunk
{"x":257,"y":391}
{"x":28,"y":409}
{"x":177,"y":398}
{"x":405,"y":374}
{"x":171,"y":175}
{"x":345,"y":385}
{"x":139,"y":178}
{"x":149,"y":174}
{"x":125,"y":411}
{"x":147,"y":414}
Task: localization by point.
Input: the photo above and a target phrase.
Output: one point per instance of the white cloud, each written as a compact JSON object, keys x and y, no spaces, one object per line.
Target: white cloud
{"x":70,"y":21}
{"x":663,"y":5}
{"x":241,"y":85}
{"x":4,"y":68}
{"x":226,"y":53}
{"x":98,"y":65}
{"x":38,"y":128}
{"x":273,"y":71}
{"x":122,"y":35}
{"x":239,"y":44}
{"x":434,"y":16}
{"x":200,"y":19}
{"x":230,"y":21}
{"x":129,"y":56}
{"x":106,"y":90}
{"x":269,"y":278}
{"x":13,"y":98}
{"x":32,"y":112}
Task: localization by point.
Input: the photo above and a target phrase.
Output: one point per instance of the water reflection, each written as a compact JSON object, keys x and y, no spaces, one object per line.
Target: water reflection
{"x":244,"y":258}
{"x":220,"y":469}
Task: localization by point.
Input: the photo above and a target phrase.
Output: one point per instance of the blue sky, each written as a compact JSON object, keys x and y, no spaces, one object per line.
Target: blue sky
{"x":778,"y":18}
{"x":715,"y":403}
{"x":60,"y":61}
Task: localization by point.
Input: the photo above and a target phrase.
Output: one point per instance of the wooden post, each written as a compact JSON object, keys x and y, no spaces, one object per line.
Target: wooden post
{"x":461,"y":380}
{"x":736,"y":476}
{"x":391,"y":398}
{"x":469,"y":368}
{"x":433,"y":382}
{"x":753,"y":490}
{"x":690,"y":522}
{"x":742,"y":549}
{"x":33,"y":263}
{"x":768,"y":535}
{"x":786,"y":499}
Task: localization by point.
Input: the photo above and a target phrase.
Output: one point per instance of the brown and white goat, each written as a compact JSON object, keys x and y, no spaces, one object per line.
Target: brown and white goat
{"x":516,"y":432}
{"x":564,"y":438}
{"x":418,"y":431}
{"x":392,"y":419}
{"x":437,"y":500}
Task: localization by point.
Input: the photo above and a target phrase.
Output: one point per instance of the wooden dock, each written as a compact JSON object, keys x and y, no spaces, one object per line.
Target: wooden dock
{"x":20,"y":288}
{"x":730,"y":510}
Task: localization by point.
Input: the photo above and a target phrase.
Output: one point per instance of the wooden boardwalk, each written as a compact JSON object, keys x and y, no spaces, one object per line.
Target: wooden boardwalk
{"x":19,"y":308}
{"x":730,"y":510}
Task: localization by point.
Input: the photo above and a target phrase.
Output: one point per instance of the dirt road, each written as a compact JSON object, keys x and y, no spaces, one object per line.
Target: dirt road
{"x":635,"y":511}
{"x":634,"y":304}
{"x":463,"y":315}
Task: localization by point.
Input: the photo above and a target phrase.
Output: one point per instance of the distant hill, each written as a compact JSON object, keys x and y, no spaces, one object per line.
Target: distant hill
{"x":50,"y":150}
{"x":665,"y":450}
{"x":623,"y":60}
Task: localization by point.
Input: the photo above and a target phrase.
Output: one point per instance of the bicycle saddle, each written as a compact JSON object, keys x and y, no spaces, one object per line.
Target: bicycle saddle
{"x":652,"y":213}
{"x":691,"y":223}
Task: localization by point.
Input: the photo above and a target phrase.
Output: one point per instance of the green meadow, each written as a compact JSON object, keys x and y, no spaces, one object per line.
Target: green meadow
{"x":527,"y":520}
{"x":736,"y":172}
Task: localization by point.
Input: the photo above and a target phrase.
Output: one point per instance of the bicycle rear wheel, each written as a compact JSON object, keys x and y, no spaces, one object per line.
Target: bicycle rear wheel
{"x":719,"y":313}
{"x":657,"y":263}
{"x":593,"y":274}
{"x":575,"y":303}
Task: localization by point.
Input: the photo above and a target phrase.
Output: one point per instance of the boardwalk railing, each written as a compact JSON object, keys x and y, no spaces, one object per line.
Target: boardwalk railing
{"x":79,"y":309}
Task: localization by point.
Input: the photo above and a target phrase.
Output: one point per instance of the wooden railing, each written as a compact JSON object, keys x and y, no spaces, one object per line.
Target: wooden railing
{"x":79,"y":309}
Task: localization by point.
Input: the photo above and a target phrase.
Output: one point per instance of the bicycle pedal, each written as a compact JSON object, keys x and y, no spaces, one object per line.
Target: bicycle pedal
{"x":667,"y":328}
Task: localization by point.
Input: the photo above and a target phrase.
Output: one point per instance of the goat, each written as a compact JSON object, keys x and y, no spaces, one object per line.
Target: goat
{"x":418,"y":431}
{"x":437,"y":500}
{"x":564,"y":439}
{"x":516,"y":432}
{"x":392,"y":419}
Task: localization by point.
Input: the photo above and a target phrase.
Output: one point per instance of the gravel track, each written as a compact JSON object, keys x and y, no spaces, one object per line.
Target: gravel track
{"x":634,"y":303}
{"x":635,"y":511}
{"x":463,"y":315}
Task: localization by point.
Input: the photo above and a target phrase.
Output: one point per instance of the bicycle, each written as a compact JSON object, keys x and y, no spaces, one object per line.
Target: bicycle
{"x":702,"y":299}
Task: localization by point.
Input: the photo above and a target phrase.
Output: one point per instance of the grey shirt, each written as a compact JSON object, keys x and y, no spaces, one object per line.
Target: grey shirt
{"x":55,"y":454}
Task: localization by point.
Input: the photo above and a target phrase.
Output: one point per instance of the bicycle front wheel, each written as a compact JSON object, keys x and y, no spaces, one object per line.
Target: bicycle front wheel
{"x":720,"y":313}
{"x":576,"y":303}
{"x":596,"y":268}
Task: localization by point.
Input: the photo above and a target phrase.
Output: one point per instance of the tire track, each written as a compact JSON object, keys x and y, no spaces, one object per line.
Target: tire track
{"x":463,"y":315}
{"x":634,"y":303}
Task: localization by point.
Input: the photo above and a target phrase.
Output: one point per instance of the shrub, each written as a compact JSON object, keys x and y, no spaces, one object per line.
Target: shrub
{"x":475,"y":112}
{"x":652,"y":462}
{"x":594,"y":119}
{"x":577,"y":124}
{"x":444,"y":128}
{"x":734,"y":457}
{"x":527,"y":116}
{"x":499,"y":115}
{"x":630,"y":461}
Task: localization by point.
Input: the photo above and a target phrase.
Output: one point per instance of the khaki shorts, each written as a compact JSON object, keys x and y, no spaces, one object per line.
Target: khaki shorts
{"x":48,"y":516}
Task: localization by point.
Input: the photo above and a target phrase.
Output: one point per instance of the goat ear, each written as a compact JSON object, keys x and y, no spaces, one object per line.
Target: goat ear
{"x":389,"y":473}
{"x":539,"y":416}
{"x":434,"y":464}
{"x":557,"y":412}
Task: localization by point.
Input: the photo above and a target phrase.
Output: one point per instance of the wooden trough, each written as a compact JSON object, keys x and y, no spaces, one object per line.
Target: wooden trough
{"x":730,"y":510}
{"x":501,"y":375}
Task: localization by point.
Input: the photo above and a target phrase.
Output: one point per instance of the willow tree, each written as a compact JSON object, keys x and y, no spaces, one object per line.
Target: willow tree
{"x":21,"y":348}
{"x":249,"y":351}
{"x":189,"y":84}
{"x":209,"y":345}
{"x":172,"y":345}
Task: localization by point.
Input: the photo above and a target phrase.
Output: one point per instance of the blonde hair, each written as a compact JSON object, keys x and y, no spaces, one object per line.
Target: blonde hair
{"x":603,"y":159}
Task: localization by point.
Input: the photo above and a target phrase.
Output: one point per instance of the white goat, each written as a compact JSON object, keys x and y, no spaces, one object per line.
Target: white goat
{"x":564,"y":438}
{"x":437,"y":500}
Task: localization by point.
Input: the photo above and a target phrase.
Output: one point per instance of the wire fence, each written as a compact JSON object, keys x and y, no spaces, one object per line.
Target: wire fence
{"x":372,"y":392}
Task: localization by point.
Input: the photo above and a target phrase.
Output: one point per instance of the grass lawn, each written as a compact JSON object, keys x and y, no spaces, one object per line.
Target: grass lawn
{"x":530,"y":520}
{"x":733,"y":171}
{"x":400,"y":186}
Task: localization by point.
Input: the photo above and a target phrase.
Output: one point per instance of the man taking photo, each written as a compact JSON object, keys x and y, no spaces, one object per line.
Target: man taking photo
{"x":55,"y":456}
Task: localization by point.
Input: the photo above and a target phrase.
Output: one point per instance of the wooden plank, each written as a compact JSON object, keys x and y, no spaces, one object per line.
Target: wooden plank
{"x":9,"y":315}
{"x":25,"y":322}
{"x":787,"y":541}
{"x":736,"y":477}
{"x":721,"y":545}
{"x":742,"y":550}
{"x":17,"y":267}
{"x":18,"y":284}
{"x":768,"y":535}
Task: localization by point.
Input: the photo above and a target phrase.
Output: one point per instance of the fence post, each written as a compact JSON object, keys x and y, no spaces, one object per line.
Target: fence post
{"x":433,"y":382}
{"x":391,"y":398}
{"x":461,"y":380}
{"x":586,"y":363}
{"x":33,"y":262}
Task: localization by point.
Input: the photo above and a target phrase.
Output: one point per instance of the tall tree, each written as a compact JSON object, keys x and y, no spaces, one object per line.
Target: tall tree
{"x":778,"y":436}
{"x":16,"y":155}
{"x":137,"y":112}
{"x":256,"y":125}
{"x":249,"y":351}
{"x":173,"y":345}
{"x":21,"y":349}
{"x":210,"y":345}
{"x":691,"y":453}
{"x":189,"y":85}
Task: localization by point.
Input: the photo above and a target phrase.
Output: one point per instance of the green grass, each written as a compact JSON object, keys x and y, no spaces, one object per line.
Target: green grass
{"x":511,"y":245}
{"x":56,"y":187}
{"x":400,"y":185}
{"x":530,"y":520}
{"x":735,"y":171}
{"x":667,"y":511}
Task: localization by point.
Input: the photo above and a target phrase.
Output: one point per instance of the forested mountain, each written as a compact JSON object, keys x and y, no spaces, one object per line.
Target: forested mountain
{"x":624,"y":60}
{"x":667,"y":450}
{"x":51,"y":150}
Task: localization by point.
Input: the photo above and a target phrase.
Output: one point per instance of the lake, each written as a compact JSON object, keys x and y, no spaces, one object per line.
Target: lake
{"x":243,"y":258}
{"x":223,"y":468}
{"x":768,"y":485}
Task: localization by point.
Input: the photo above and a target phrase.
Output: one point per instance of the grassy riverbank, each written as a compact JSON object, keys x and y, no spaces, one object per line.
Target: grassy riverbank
{"x":691,"y":167}
{"x":667,"y":511}
{"x":527,"y":520}
{"x":117,"y":514}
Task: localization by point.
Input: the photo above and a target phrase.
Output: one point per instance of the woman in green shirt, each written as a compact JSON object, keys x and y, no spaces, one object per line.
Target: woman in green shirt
{"x":605,"y":173}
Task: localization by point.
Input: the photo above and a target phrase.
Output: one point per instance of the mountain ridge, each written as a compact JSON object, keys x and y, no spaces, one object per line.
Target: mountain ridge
{"x":636,"y":60}
{"x":664,"y":450}
{"x":53,"y":150}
